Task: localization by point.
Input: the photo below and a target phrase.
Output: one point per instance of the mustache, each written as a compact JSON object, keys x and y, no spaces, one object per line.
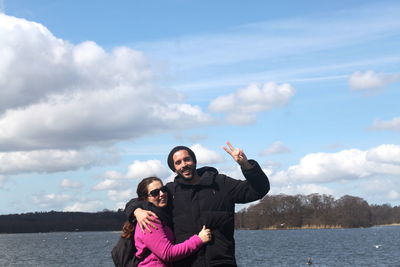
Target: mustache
{"x":188,"y":168}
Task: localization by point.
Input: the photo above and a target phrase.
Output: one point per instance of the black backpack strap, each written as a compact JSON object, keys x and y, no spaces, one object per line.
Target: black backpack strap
{"x":124,"y":252}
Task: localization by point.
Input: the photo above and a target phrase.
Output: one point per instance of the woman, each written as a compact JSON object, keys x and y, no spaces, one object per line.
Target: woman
{"x":160,"y":242}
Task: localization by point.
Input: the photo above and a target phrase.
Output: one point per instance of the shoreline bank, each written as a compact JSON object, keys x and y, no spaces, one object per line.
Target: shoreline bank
{"x":316,"y":227}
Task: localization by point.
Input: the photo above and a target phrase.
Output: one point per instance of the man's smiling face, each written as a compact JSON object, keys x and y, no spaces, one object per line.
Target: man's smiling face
{"x":184,"y":164}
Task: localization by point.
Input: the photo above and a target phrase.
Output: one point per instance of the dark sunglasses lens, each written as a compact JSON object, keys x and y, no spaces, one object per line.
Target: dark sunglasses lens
{"x":156,"y":192}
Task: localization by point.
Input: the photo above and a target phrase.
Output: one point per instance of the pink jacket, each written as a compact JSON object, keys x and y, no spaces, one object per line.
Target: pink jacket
{"x":161,"y":244}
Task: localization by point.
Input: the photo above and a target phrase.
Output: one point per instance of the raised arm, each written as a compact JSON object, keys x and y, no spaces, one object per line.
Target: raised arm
{"x":256,"y":185}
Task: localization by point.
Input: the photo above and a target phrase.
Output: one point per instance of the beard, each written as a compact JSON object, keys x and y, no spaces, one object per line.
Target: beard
{"x":191,"y":169}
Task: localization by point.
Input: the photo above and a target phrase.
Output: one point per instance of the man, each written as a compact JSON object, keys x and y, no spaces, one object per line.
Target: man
{"x":205,"y":197}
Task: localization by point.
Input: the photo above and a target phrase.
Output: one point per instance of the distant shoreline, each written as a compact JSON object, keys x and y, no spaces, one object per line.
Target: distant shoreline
{"x":316,"y":227}
{"x":393,"y":224}
{"x":266,"y":215}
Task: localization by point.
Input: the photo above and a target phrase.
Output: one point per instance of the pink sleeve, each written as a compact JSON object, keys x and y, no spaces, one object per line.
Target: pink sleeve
{"x":159,"y":244}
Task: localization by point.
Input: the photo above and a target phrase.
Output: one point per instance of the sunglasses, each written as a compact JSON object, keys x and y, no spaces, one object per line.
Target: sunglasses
{"x":156,"y":192}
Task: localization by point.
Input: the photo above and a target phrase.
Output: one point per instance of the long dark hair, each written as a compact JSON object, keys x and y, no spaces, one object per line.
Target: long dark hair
{"x":128,"y":229}
{"x":141,"y":190}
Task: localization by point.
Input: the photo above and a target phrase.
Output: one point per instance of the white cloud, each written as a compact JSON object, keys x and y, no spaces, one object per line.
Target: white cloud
{"x":385,"y":154}
{"x":242,"y":106}
{"x":233,"y":171}
{"x":120,"y":205}
{"x":391,"y":125}
{"x":371,"y":80}
{"x":51,"y":201}
{"x":113,"y":175}
{"x":170,"y":178}
{"x":378,"y":186}
{"x":67,"y":183}
{"x":114,"y":181}
{"x":275,"y":148}
{"x":344,"y":165}
{"x":270,"y":164}
{"x":59,"y":95}
{"x":137,"y":170}
{"x":206,"y":156}
{"x":381,"y":188}
{"x":85,"y":206}
{"x":142,"y":169}
{"x":108,"y":184}
{"x":35,"y":64}
{"x":394,"y":195}
{"x":74,"y":121}
{"x":46,"y":161}
{"x":302,"y":189}
{"x":121,"y":195}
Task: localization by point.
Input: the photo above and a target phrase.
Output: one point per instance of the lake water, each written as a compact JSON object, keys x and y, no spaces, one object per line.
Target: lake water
{"x":376,"y":246}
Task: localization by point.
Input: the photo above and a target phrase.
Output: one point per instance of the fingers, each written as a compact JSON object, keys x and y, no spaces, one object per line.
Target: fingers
{"x":148,"y":228}
{"x":142,"y":227}
{"x":240,"y":153}
{"x":152,"y":214}
{"x":230,"y":146}
{"x":206,"y":230}
{"x":149,"y":224}
{"x":205,"y":234}
{"x":227,"y":150}
{"x":146,"y":219}
{"x":145,"y":225}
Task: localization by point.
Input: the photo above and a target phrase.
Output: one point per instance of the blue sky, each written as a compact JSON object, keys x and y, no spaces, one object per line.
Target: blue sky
{"x":94,"y":94}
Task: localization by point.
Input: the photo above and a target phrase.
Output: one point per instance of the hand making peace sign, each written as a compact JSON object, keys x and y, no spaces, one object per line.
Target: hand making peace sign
{"x":238,"y":155}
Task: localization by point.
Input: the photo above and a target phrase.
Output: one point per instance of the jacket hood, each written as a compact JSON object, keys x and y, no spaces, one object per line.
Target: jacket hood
{"x":207,"y":175}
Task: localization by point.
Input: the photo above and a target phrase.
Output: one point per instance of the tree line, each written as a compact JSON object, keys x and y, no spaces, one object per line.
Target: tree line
{"x":57,"y":221}
{"x":314,"y":211}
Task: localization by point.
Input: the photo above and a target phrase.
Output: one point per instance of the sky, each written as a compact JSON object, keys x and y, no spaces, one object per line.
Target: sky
{"x":94,"y":95}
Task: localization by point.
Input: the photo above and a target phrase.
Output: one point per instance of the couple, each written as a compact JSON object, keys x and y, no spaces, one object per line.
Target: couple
{"x":197,"y":198}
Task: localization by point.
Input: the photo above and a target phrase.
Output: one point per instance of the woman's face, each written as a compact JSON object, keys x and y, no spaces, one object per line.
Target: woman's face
{"x":160,"y":200}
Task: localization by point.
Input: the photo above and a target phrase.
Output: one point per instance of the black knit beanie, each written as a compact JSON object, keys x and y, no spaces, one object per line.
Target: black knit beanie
{"x":175,"y":149}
